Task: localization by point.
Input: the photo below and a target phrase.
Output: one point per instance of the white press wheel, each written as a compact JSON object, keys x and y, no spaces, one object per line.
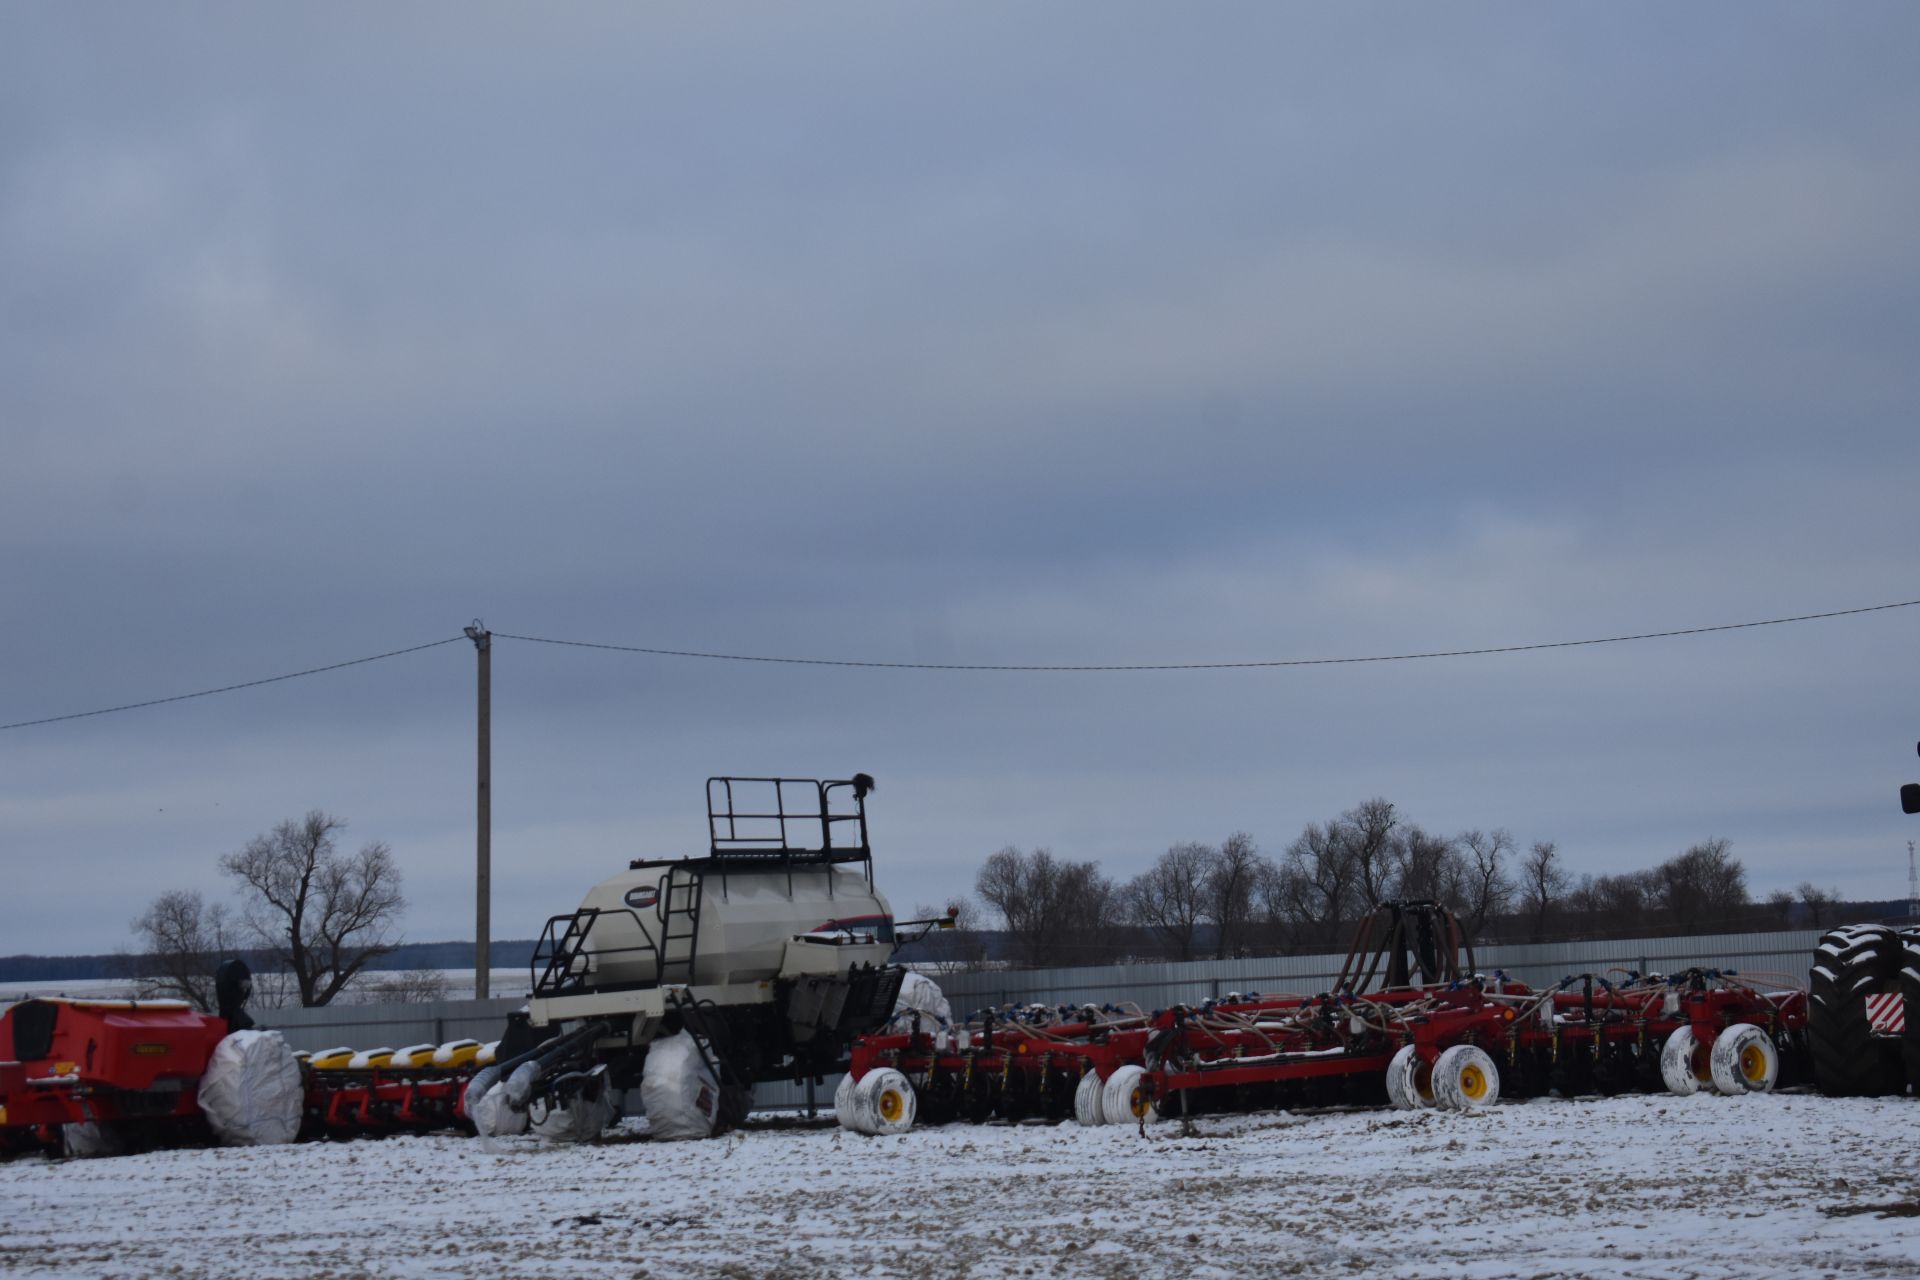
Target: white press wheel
{"x":1683,"y":1063}
{"x":1465,"y":1077}
{"x":883,"y":1102}
{"x":1086,"y":1099}
{"x":1743,"y":1060}
{"x":1125,"y":1096}
{"x":1410,"y":1080}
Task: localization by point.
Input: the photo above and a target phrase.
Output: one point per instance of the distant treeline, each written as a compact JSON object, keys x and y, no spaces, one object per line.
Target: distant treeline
{"x":409,"y":957}
{"x":1197,"y":901}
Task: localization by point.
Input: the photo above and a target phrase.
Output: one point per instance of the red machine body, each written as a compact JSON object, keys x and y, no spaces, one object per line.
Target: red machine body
{"x":133,"y":1064}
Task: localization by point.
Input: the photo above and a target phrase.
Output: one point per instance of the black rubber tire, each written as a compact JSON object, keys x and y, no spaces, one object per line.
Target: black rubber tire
{"x":1851,"y":963}
{"x":1910,"y":993}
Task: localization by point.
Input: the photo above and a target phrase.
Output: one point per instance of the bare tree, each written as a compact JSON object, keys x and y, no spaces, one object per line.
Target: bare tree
{"x":1365,"y":834}
{"x":1542,"y":882}
{"x":1623,"y":903}
{"x":1427,"y":866}
{"x":1172,"y":897}
{"x":1229,"y":890}
{"x":1056,"y":911}
{"x":323,"y":915}
{"x":1488,"y":890}
{"x":1819,"y":902}
{"x":1313,"y":891}
{"x":1704,"y":885}
{"x":1780,"y":902}
{"x":1271,"y":929}
{"x":182,"y":941}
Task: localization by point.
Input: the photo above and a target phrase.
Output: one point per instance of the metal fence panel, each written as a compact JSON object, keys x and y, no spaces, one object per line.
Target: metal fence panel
{"x":394,"y":1026}
{"x":1157,"y":985}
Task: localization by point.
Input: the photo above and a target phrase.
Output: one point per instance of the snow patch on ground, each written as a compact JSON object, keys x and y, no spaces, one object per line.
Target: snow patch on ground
{"x":1703,"y":1187}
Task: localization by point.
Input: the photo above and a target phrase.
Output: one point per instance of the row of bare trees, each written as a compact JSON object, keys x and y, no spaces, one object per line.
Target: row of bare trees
{"x":311,"y":918}
{"x":1231,"y":899}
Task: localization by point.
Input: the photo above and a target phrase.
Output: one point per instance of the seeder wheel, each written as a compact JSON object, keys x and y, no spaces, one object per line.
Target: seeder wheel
{"x":1743,"y":1060}
{"x":1465,"y":1078}
{"x":1125,"y":1096}
{"x":1685,"y":1063}
{"x":883,"y":1102}
{"x":1410,"y":1080}
{"x":1086,"y":1099}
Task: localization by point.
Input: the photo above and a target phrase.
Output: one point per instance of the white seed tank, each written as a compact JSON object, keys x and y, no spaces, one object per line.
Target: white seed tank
{"x":709,"y":923}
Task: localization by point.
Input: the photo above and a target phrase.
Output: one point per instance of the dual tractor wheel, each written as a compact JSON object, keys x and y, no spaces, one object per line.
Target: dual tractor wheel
{"x":1461,"y":1079}
{"x":1122,"y":1098}
{"x":1741,"y":1059}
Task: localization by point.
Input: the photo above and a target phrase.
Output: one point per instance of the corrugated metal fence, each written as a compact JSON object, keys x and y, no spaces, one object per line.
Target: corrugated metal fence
{"x":368,"y":1026}
{"x":1158,"y":985}
{"x":1151,"y":986}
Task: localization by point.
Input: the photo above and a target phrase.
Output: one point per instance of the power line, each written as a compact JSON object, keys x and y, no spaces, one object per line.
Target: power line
{"x":979,"y":666}
{"x":229,"y":688}
{"x":1205,"y":666}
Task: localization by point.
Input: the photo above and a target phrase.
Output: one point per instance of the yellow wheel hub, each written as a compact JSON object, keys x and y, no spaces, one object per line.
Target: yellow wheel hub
{"x":890,"y":1106}
{"x":1753,"y":1063}
{"x":1473,"y":1083}
{"x":1137,"y":1103}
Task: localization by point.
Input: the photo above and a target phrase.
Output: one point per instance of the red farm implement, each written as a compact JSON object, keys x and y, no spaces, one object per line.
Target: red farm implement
{"x":1407,"y":1021}
{"x":98,"y":1077}
{"x":103,"y":1074}
{"x":416,"y":1089}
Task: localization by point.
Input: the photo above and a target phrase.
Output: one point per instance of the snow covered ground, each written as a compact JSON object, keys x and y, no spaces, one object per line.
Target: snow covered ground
{"x":1784,"y":1185}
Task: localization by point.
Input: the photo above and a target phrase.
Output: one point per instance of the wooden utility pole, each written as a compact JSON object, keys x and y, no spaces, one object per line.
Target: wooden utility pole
{"x":483,"y":815}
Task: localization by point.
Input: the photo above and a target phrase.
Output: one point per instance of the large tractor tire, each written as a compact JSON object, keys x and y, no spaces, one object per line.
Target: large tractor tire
{"x":1910,"y":992}
{"x":1851,"y":963}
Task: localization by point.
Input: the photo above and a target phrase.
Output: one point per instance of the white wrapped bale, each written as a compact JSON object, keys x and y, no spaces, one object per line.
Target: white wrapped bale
{"x":492,"y":1116}
{"x":581,"y":1120}
{"x":678,"y":1090}
{"x":252,"y":1093}
{"x":921,"y":994}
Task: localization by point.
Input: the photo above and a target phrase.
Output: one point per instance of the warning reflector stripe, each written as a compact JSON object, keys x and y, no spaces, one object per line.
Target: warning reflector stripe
{"x":1887,"y":1014}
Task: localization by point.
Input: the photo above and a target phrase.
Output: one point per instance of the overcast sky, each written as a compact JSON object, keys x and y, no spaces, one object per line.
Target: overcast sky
{"x":968,"y":333}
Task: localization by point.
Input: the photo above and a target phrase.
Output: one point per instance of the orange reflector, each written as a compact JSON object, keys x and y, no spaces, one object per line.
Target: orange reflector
{"x":152,"y":1050}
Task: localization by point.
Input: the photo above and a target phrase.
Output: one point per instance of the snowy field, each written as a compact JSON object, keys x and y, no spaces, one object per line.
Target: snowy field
{"x":1784,"y":1185}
